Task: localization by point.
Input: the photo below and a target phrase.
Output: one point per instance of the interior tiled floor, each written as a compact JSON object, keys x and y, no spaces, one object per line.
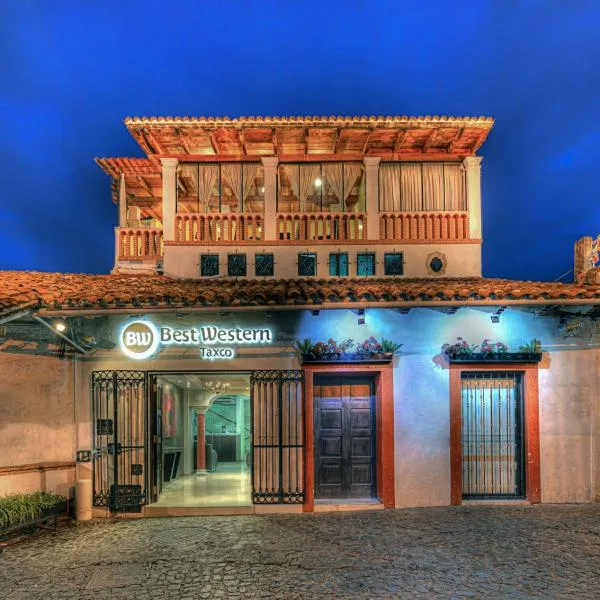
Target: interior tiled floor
{"x":229,"y":485}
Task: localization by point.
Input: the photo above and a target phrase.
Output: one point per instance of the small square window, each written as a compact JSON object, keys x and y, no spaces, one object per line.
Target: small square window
{"x":209,"y":265}
{"x":365,"y":264}
{"x":236,"y":265}
{"x":264,"y":265}
{"x":307,"y":264}
{"x":393,"y":263}
{"x":338,"y":263}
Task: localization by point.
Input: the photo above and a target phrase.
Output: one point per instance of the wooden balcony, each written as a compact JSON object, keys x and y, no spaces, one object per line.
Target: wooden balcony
{"x":139,"y":243}
{"x":211,"y":228}
{"x":421,"y":226}
{"x":321,"y":226}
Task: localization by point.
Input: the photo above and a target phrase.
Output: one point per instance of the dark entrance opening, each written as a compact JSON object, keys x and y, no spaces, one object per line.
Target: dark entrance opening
{"x":344,"y":436}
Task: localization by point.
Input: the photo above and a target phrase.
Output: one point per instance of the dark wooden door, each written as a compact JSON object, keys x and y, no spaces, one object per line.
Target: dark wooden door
{"x":344,"y":437}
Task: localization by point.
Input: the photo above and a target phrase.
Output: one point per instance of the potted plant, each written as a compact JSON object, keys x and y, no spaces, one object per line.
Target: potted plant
{"x":388,"y":348}
{"x":462,"y":351}
{"x":370,"y":348}
{"x":304,"y":347}
{"x":25,"y":512}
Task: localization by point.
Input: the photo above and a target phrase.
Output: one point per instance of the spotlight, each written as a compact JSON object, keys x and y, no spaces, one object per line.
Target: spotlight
{"x":60,"y":326}
{"x":318,"y":182}
{"x":495,"y":318}
{"x":315,"y":313}
{"x":361,"y":316}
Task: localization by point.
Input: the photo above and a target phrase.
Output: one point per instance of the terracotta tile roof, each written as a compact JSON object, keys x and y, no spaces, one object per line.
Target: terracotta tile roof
{"x":324,"y":138}
{"x":129,"y":166}
{"x":58,"y":291}
{"x":324,"y":120}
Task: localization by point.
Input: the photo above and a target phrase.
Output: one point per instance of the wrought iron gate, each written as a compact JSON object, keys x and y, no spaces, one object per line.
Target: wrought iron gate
{"x":120,"y":423}
{"x":277,"y":437}
{"x":492,"y":434}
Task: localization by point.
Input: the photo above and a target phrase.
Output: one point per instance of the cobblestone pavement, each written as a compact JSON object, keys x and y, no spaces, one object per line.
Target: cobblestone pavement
{"x":459,"y":552}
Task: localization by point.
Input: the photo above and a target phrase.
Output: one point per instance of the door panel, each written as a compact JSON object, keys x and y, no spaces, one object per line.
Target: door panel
{"x":119,"y":413}
{"x":344,"y":437}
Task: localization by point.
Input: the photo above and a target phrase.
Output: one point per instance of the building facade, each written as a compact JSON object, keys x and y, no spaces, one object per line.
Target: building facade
{"x":289,"y":326}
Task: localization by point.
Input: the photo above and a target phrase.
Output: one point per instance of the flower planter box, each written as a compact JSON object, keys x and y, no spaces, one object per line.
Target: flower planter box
{"x":47,"y":518}
{"x":505,"y":357}
{"x":347,"y":358}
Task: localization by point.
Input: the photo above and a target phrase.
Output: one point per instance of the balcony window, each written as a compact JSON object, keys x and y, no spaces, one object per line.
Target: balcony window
{"x":338,"y":264}
{"x":307,"y":264}
{"x":220,"y":188}
{"x":365,"y":264}
{"x":264,"y":265}
{"x":209,"y":265}
{"x":321,"y":187}
{"x":393,"y":263}
{"x":422,"y":187}
{"x":236,"y":265}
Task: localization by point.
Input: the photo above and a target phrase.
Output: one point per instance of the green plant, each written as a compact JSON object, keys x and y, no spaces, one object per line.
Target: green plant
{"x":534,"y":346}
{"x":20,"y":508}
{"x":460,"y":349}
{"x":387,"y":346}
{"x":304,"y":346}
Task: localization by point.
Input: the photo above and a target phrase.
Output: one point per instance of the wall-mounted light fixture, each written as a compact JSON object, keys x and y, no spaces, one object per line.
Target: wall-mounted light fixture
{"x":495,"y":318}
{"x":361,"y":316}
{"x":60,"y":326}
{"x":315,"y":313}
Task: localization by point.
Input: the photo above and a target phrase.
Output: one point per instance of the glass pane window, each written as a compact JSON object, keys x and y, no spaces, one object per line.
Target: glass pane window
{"x":220,"y":188}
{"x":338,"y":264}
{"x":321,"y":187}
{"x":209,"y":265}
{"x":393,"y":263}
{"x":264,"y":265}
{"x":365,"y":264}
{"x":307,"y":264}
{"x":236,"y":265}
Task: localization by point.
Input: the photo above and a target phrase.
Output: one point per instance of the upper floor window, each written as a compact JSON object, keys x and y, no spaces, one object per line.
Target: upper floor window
{"x":338,"y":264}
{"x":393,"y":263}
{"x":421,"y":187}
{"x":307,"y":264}
{"x":264,"y":265}
{"x":209,"y":265}
{"x":220,"y":188}
{"x":365,"y":264}
{"x":236,"y":265}
{"x":321,"y":187}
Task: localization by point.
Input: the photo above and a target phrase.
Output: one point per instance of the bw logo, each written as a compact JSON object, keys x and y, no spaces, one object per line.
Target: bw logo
{"x":139,"y":339}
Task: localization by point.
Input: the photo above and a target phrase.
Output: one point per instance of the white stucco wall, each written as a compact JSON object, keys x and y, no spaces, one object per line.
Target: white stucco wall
{"x":463,"y":260}
{"x":37,"y":412}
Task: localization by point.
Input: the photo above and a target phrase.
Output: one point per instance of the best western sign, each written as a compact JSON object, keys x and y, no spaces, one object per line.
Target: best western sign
{"x":141,"y":339}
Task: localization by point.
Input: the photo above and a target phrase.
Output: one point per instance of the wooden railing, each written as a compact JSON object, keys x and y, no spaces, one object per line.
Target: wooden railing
{"x":424,"y":226}
{"x":218,"y":227}
{"x":139,"y":243}
{"x":321,"y":226}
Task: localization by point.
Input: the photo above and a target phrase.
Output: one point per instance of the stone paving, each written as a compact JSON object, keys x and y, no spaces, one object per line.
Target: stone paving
{"x":460,"y":552}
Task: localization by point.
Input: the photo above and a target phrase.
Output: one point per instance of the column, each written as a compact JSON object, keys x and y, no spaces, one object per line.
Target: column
{"x":201,"y":452}
{"x":472,"y":165}
{"x":372,"y":191}
{"x":122,"y":202}
{"x":169,"y":183}
{"x":270,"y":173}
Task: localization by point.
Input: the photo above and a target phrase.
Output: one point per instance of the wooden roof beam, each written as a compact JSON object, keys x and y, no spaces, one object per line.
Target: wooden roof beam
{"x":335,"y":140}
{"x":213,"y":143}
{"x":242,"y":141}
{"x":153,"y":143}
{"x":429,"y":141}
{"x":367,"y":140}
{"x":402,"y":133}
{"x":480,"y":138}
{"x":457,"y":138}
{"x":275,"y":141}
{"x":144,"y":184}
{"x":305,"y":141}
{"x":183,"y":141}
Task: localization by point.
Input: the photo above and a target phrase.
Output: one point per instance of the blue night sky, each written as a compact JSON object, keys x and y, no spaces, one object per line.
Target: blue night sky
{"x":71,"y":71}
